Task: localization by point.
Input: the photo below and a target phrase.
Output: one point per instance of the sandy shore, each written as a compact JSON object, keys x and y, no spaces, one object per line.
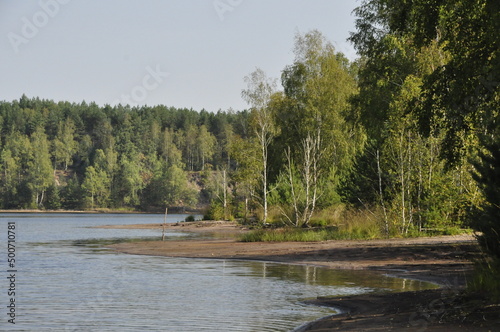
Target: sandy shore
{"x":443,"y":260}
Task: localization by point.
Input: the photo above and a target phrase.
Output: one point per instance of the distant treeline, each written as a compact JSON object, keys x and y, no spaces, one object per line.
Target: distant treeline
{"x":77,"y":156}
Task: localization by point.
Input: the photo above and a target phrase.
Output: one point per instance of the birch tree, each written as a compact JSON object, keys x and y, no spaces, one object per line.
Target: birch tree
{"x":40,"y":171}
{"x":64,"y":145}
{"x":205,"y":142}
{"x":307,"y":175}
{"x":258,"y":94}
{"x":315,"y":108}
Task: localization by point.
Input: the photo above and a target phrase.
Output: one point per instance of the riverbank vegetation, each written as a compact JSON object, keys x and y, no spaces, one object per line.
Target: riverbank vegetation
{"x":404,"y":140}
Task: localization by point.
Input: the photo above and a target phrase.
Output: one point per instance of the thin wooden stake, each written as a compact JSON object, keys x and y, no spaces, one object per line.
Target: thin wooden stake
{"x":164,"y":223}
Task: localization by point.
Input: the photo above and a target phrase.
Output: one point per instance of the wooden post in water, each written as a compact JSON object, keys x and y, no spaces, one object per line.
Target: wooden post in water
{"x":164,"y":223}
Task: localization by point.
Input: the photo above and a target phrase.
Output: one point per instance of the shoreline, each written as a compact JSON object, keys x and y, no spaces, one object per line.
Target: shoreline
{"x":445,"y":261}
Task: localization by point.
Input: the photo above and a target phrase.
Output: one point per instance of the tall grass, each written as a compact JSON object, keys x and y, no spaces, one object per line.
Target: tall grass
{"x":343,"y":225}
{"x":485,"y":278}
{"x":287,"y":235}
{"x":338,"y":223}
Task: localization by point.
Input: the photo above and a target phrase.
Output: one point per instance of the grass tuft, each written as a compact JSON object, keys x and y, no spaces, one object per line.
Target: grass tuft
{"x":304,"y":235}
{"x":485,"y":279}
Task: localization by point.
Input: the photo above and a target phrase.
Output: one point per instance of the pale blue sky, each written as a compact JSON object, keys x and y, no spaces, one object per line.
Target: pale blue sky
{"x":182,"y":53}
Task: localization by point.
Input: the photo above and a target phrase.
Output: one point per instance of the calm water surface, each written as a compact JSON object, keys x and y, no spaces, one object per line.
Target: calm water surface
{"x":67,"y":281}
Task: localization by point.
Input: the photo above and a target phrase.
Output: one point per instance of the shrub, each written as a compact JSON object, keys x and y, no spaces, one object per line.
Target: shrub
{"x":215,"y":212}
{"x":335,"y":223}
{"x":290,"y":235}
{"x":485,"y":279}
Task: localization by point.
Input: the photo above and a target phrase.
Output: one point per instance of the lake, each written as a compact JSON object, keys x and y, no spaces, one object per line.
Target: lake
{"x":66,"y":280}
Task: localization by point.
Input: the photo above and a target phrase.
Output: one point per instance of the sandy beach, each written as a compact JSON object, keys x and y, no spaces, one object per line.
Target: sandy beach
{"x":444,"y":260}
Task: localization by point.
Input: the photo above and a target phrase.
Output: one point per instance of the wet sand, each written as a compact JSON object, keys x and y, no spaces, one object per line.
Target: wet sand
{"x":445,"y":260}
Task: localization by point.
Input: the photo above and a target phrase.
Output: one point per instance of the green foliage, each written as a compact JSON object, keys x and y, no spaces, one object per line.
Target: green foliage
{"x":318,"y":138}
{"x":360,"y":224}
{"x":205,"y":146}
{"x":435,"y":65}
{"x":485,"y":279}
{"x":306,"y":235}
{"x":317,"y":90}
{"x":189,"y":218}
{"x":400,"y":54}
{"x":10,"y":170}
{"x":72,"y":195}
{"x":96,"y":185}
{"x":334,"y":223}
{"x":281,"y":193}
{"x":130,"y":180}
{"x":64,"y":145}
{"x":245,"y":176}
{"x":330,"y":216}
{"x":53,"y":200}
{"x":124,"y":145}
{"x":169,"y":187}
{"x":288,"y":235}
{"x":215,"y":212}
{"x":39,"y":169}
{"x":259,"y":93}
{"x":487,"y":216}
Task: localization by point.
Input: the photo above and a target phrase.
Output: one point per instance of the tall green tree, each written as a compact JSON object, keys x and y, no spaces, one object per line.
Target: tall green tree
{"x":130,"y":179}
{"x":96,"y":184}
{"x":64,"y":144}
{"x":396,"y":68}
{"x":16,"y":155}
{"x":246,"y":175}
{"x":40,"y":172}
{"x":169,"y":187}
{"x":205,"y":145}
{"x":188,"y":137}
{"x":258,"y":94}
{"x":10,"y":168}
{"x":169,"y":149}
{"x":321,"y":134}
